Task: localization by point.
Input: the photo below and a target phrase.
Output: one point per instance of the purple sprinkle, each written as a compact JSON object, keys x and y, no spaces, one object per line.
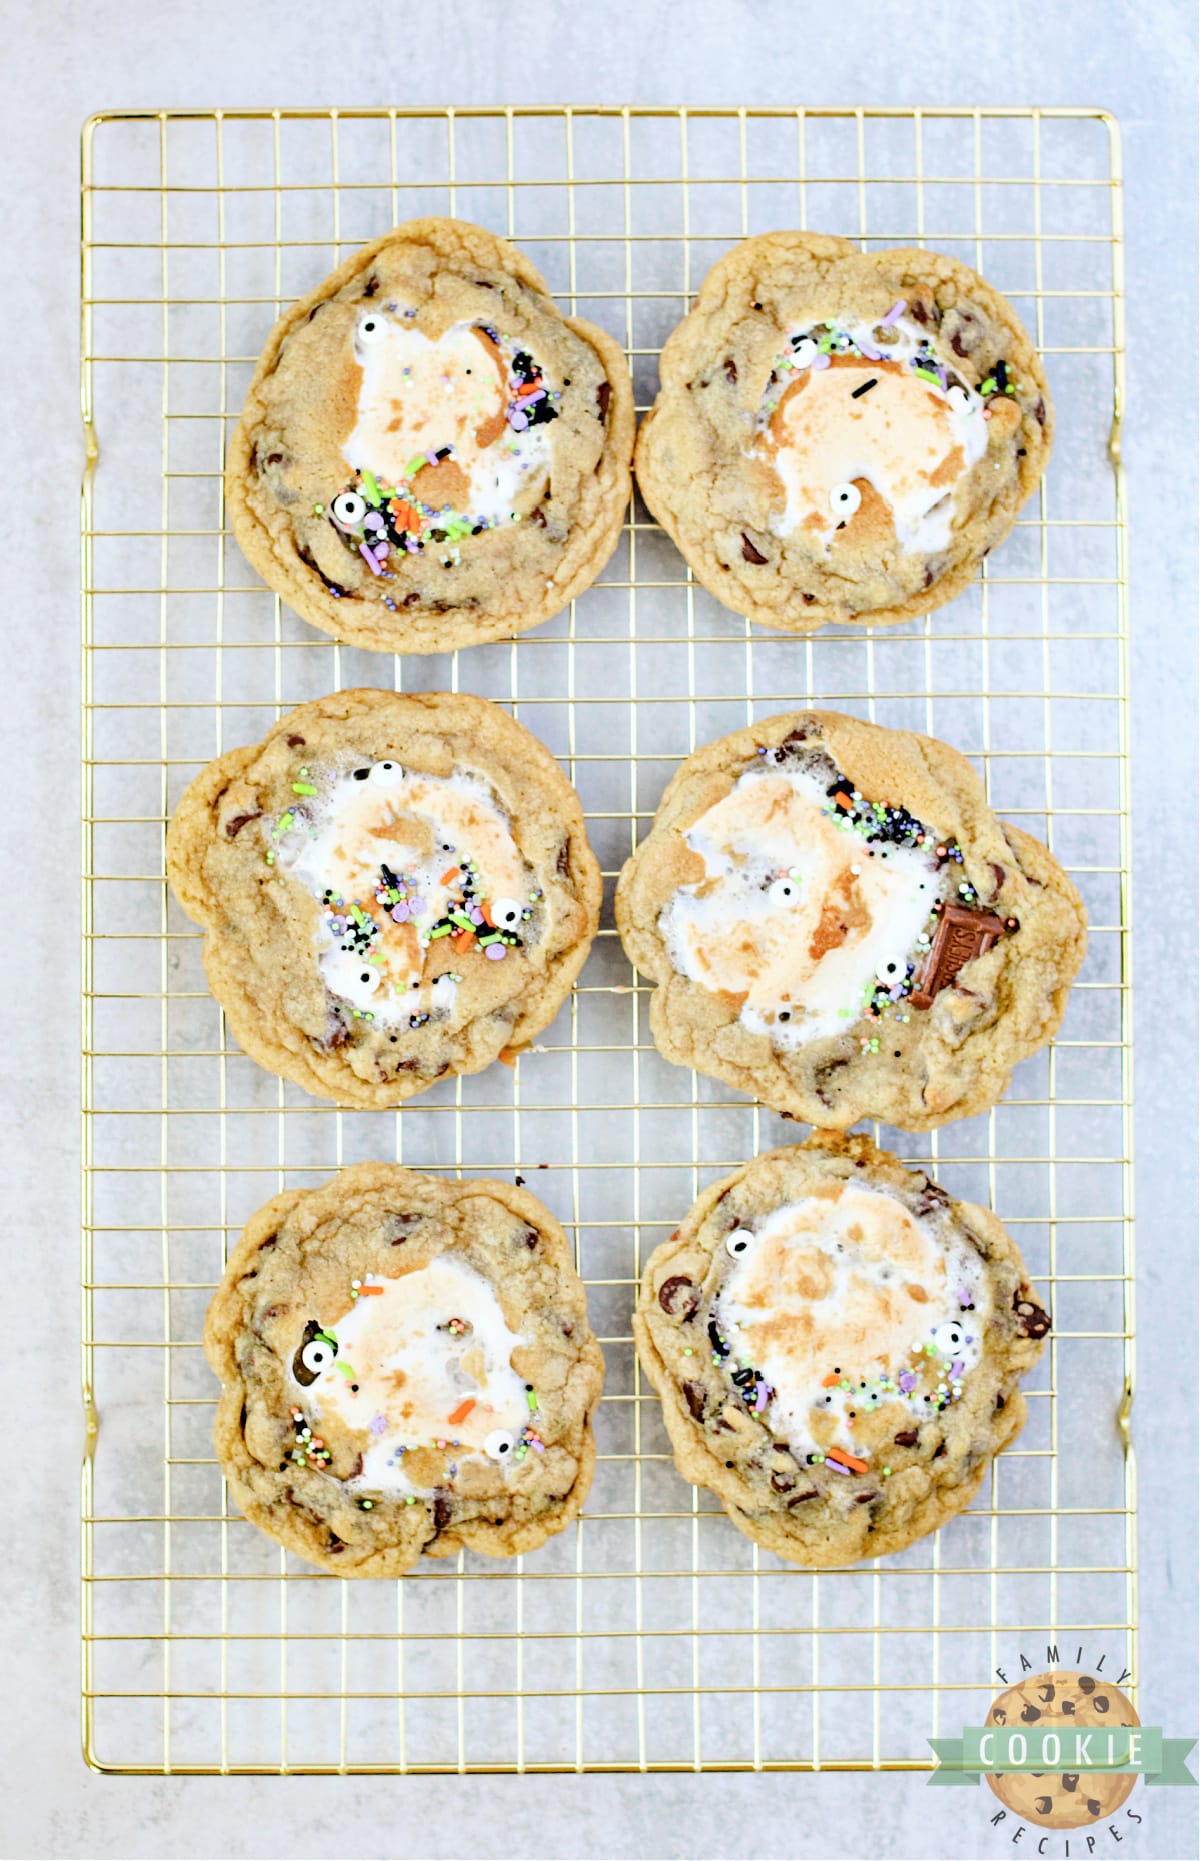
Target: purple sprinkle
{"x":763,"y":1397}
{"x":475,"y":915}
{"x":378,"y":1424}
{"x":870,"y":352}
{"x":537,"y":1446}
{"x":400,"y":914}
{"x":517,"y":421}
{"x":528,"y":400}
{"x":895,"y":313}
{"x":432,"y":457}
{"x":907,"y":1381}
{"x":957,"y":1367}
{"x":964,"y":1297}
{"x":837,"y":1466}
{"x":372,"y":521}
{"x":495,"y":951}
{"x":415,"y":907}
{"x":819,"y":361}
{"x":368,"y":558}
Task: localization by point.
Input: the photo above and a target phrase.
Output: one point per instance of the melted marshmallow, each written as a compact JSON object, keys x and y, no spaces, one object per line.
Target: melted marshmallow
{"x":405,"y":821}
{"x":825,"y":1285}
{"x":852,"y":917}
{"x":413,"y":1375}
{"x":907,"y":437}
{"x":418,"y":395}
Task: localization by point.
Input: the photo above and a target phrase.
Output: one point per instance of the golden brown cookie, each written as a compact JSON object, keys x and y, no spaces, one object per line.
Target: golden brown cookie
{"x":430,"y":454}
{"x":837,"y":1345}
{"x":1062,"y":1799}
{"x":838,"y":924}
{"x":406,"y":1370}
{"x":839,"y":435}
{"x":393,"y":887}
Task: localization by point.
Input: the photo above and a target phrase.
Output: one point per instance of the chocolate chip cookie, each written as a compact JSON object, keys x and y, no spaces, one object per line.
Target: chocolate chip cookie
{"x":430,"y":455}
{"x":406,"y":1370}
{"x":837,"y":1345}
{"x":838,"y":924}
{"x":839,"y":435}
{"x":393,"y":888}
{"x":1063,"y":1799}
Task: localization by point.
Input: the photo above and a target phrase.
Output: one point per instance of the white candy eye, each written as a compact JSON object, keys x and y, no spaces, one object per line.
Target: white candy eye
{"x":739,"y":1242}
{"x":500,"y":1445}
{"x":949,"y":1339}
{"x":803,"y":352}
{"x":891,"y":970}
{"x":387,"y":774}
{"x":784,"y":891}
{"x":506,"y":913}
{"x":372,"y":329}
{"x":959,"y":399}
{"x":844,"y":500}
{"x":348,"y":976}
{"x":317,"y":1355}
{"x":349,"y":509}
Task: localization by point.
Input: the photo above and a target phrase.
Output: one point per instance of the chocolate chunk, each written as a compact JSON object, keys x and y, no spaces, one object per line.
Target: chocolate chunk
{"x":333,"y":1545}
{"x":822,"y":1077}
{"x":234,"y":827}
{"x":530,"y":1238}
{"x":1030,"y":1715}
{"x":731,"y":373}
{"x":1001,"y":1400}
{"x":563,"y":859}
{"x":242,"y":1419}
{"x":1086,"y":1683}
{"x":808,"y":599}
{"x":919,"y":311}
{"x":603,"y":397}
{"x":860,"y":1499}
{"x":356,"y":1469}
{"x":1039,"y":412}
{"x":679,"y":1296}
{"x":410,"y":600}
{"x":539,"y":517}
{"x":748,"y":550}
{"x":1031,"y":1319}
{"x":960,"y":937}
{"x":693,"y":1395}
{"x":371,"y":286}
{"x":782,"y":1482}
{"x":907,"y":1437}
{"x":443,"y":1508}
{"x":296,"y":743}
{"x":939,"y":1450}
{"x":800,"y":1497}
{"x":932,"y":1196}
{"x":336,"y":1036}
{"x":928,"y":581}
{"x":1070,"y":1779}
{"x":956,"y":343}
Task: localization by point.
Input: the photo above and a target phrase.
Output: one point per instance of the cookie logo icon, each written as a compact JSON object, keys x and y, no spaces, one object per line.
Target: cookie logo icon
{"x":1062,"y":1799}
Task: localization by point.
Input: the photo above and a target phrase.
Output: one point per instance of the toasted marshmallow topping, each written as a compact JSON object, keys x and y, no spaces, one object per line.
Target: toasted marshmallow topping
{"x":843,"y":426}
{"x":432,"y":833}
{"x":797,"y":919}
{"x":419,"y":398}
{"x":401,"y":1372}
{"x":844,"y":1290}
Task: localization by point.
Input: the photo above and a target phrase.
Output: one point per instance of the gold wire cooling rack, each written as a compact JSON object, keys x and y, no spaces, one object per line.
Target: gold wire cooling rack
{"x":652,"y":1636}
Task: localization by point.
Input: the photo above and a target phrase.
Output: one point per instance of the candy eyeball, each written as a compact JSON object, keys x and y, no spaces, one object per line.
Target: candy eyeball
{"x":500,"y":1445}
{"x":890,"y":970}
{"x":387,"y":774}
{"x":739,"y":1242}
{"x":506,"y":913}
{"x":348,"y":976}
{"x":948,"y":1339}
{"x":315,"y":1355}
{"x":349,"y":508}
{"x":803,"y":352}
{"x":373,"y":328}
{"x":844,"y":500}
{"x":785,"y":891}
{"x":958,"y":399}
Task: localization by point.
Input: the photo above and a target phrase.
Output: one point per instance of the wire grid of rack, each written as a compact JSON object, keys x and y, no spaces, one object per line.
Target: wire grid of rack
{"x":651,"y":1635}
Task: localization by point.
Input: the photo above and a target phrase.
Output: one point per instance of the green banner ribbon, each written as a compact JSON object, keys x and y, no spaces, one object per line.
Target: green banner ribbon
{"x":1118,"y":1750}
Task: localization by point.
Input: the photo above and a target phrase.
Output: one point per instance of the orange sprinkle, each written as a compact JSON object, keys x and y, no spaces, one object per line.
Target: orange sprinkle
{"x":461,"y":1413}
{"x":847,"y":1460}
{"x":367,"y":1292}
{"x":831,"y":1381}
{"x":449,"y":877}
{"x":463,"y":940}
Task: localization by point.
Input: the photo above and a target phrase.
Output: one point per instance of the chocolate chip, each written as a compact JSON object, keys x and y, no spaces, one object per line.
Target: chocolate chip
{"x":1032,"y":1321}
{"x":242,"y":1420}
{"x":956,"y":343}
{"x":860,"y":1499}
{"x":356,"y":1469}
{"x":679,"y":1296}
{"x":563,"y":859}
{"x":822,"y":1077}
{"x":443,"y":1508}
{"x":1086,"y":1684}
{"x":932,"y":1196}
{"x":748,"y":550}
{"x":908,"y":1437}
{"x":800,"y":1497}
{"x":296,"y":743}
{"x":371,"y":286}
{"x":939,"y":1450}
{"x":693,"y":1395}
{"x":731,"y":373}
{"x":234,"y":827}
{"x":333,"y":1545}
{"x":336,"y":1035}
{"x":919,"y":311}
{"x":782,"y":1482}
{"x":539,"y":517}
{"x":410,"y":600}
{"x":998,"y":873}
{"x":603,"y":397}
{"x":928,"y":582}
{"x":1001,"y":1400}
{"x":530,"y":1238}
{"x":1039,"y":412}
{"x":808,"y":599}
{"x":1070,"y":1779}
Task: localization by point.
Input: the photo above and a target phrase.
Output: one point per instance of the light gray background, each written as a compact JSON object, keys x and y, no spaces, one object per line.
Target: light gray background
{"x":61,"y":62}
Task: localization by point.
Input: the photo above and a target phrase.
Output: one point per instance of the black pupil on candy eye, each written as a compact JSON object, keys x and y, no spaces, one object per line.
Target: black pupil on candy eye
{"x":360,"y":775}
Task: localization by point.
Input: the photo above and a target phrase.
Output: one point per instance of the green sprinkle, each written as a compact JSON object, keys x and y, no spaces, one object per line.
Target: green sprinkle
{"x":285,"y":821}
{"x":988,"y":386}
{"x":303,"y":788}
{"x":370,"y":485}
{"x":411,"y":1500}
{"x":440,"y":930}
{"x":318,"y":510}
{"x":531,"y":1396}
{"x":927,"y":374}
{"x":689,"y":1352}
{"x":270,"y":858}
{"x":492,"y":937}
{"x":460,"y":917}
{"x":414,"y":465}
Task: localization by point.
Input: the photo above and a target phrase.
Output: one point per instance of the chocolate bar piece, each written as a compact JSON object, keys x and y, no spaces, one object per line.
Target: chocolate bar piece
{"x":961,"y":936}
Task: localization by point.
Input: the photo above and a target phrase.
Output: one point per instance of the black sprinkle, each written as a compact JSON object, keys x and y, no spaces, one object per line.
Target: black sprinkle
{"x":866,"y":387}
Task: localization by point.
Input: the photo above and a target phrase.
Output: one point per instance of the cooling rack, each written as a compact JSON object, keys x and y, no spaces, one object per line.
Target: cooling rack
{"x":651,"y":1636}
